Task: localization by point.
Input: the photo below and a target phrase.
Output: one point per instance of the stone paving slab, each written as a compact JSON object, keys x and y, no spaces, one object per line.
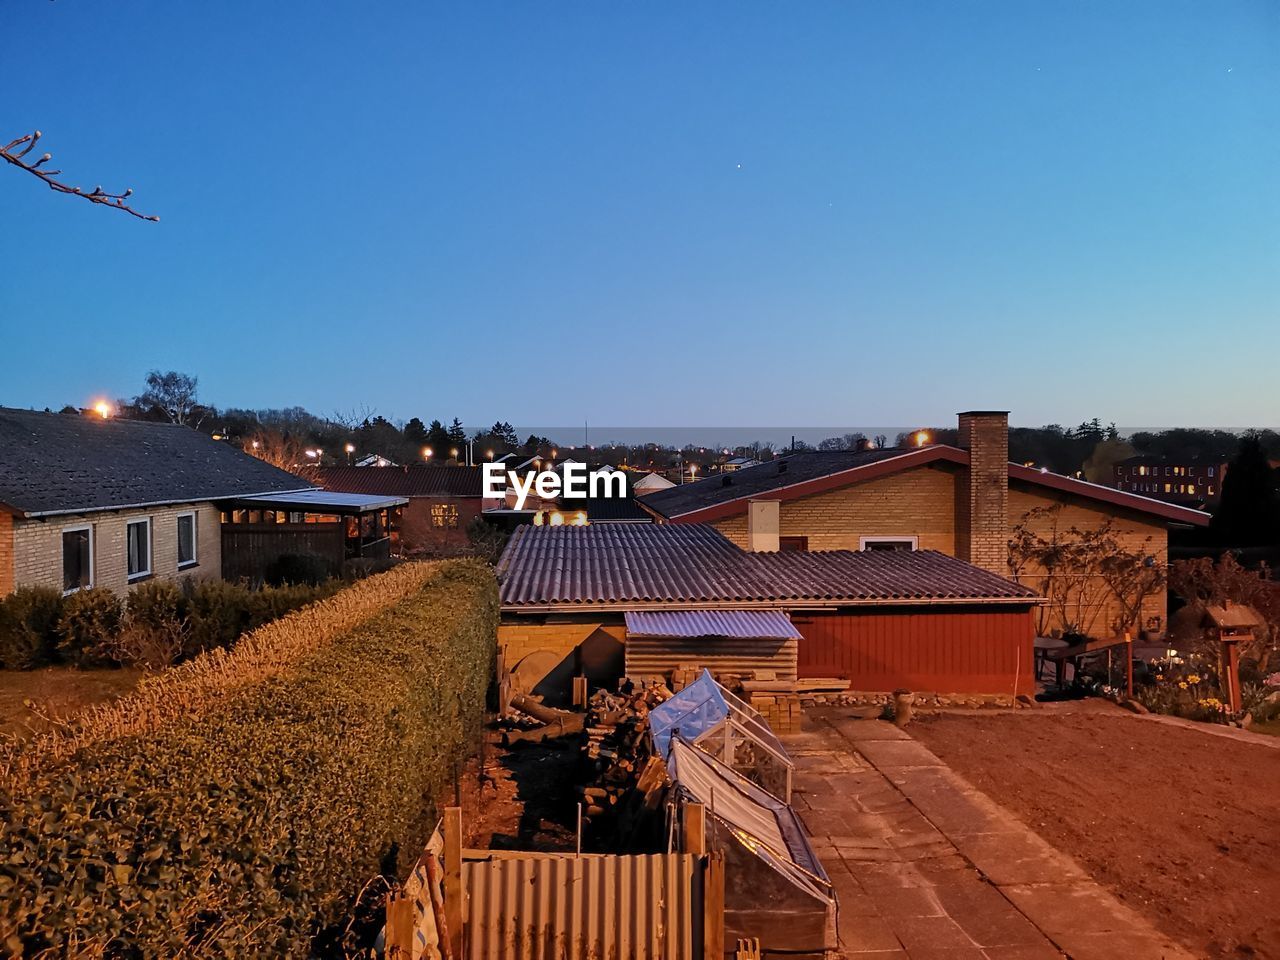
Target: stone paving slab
{"x":925,"y":867}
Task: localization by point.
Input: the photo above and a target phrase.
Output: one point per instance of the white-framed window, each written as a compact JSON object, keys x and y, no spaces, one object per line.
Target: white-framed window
{"x":888,"y":543}
{"x":77,"y":559}
{"x":137,"y":539}
{"x":188,"y":545}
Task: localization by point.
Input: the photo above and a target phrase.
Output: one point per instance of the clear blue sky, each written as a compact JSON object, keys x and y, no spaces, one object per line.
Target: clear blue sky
{"x":729,"y":213}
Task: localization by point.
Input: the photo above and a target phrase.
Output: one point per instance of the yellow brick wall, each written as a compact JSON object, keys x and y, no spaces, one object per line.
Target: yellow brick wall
{"x":915,"y":503}
{"x":1135,"y":533}
{"x":923,"y":503}
{"x":6,"y":554}
{"x":37,"y":546}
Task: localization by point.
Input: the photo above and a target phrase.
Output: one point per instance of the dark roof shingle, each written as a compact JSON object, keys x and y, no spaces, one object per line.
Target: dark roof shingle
{"x":411,"y":481}
{"x":634,"y":565}
{"x":66,"y":463}
{"x":751,"y":481}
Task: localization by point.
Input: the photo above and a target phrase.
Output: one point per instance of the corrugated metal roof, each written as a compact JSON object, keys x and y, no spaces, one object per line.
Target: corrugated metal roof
{"x":693,"y":565}
{"x":419,"y":480}
{"x":331,"y":500}
{"x":735,"y":624}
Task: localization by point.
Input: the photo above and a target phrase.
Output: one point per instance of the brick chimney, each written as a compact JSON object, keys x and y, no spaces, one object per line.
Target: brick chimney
{"x":764,"y":523}
{"x":982,"y":515}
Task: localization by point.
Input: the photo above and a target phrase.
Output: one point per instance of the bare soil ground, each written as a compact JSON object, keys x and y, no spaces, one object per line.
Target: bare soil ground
{"x":525,"y":798}
{"x":56,"y":693}
{"x":1183,"y":826}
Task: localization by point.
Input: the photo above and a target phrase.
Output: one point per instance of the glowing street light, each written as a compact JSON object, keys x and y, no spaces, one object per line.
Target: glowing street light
{"x":102,"y":409}
{"x":922,"y":438}
{"x":489,"y":454}
{"x":453,"y":452}
{"x":426,"y":453}
{"x":350,"y":448}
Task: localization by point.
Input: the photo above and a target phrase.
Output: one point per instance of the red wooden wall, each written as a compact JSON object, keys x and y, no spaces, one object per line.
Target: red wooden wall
{"x":954,"y":650}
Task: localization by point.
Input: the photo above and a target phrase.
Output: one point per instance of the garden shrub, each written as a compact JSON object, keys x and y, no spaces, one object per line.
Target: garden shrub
{"x":236,"y":805}
{"x":271,"y":603}
{"x":88,"y":627}
{"x":298,"y":568}
{"x":29,"y":627}
{"x":155,"y":628}
{"x":218,"y":613}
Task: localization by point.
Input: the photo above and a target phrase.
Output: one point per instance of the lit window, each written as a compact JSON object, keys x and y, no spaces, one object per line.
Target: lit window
{"x":444,"y":515}
{"x":186,"y":539}
{"x":138,"y":547}
{"x":77,"y":559}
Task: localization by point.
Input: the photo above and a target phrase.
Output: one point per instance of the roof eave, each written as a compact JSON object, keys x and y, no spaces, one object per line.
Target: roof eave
{"x":785,"y":605}
{"x":114,"y":508}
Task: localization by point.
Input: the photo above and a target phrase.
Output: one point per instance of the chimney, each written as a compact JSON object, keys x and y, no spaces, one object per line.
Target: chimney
{"x":982,"y":515}
{"x":763,"y":525}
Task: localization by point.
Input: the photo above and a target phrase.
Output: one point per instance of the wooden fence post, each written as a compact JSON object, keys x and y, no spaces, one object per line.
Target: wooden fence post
{"x":453,"y":892}
{"x":401,"y":916}
{"x":713,"y":908}
{"x":695,"y":836}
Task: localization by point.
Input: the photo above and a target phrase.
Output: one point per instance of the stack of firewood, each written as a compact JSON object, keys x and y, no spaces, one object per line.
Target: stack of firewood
{"x":616,"y":746}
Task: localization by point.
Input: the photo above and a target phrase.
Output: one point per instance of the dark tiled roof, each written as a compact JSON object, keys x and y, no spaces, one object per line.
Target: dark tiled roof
{"x":67,"y":463}
{"x":607,"y":509}
{"x":411,"y":481}
{"x":752,"y":481}
{"x":637,"y":565}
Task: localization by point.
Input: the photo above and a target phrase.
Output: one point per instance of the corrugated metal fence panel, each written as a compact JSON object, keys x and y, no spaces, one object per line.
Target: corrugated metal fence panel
{"x":647,"y":656}
{"x":947,"y":651}
{"x":583,"y":908}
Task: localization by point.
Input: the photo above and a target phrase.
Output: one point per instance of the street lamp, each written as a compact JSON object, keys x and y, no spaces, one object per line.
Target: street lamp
{"x":426,"y":453}
{"x":350,"y":448}
{"x":922,"y":438}
{"x":102,"y":409}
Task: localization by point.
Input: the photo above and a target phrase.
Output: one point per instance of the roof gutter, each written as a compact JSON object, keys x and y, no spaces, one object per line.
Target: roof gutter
{"x":114,"y":508}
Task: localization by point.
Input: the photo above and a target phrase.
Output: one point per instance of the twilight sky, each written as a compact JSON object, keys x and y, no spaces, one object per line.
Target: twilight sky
{"x":669,"y":214}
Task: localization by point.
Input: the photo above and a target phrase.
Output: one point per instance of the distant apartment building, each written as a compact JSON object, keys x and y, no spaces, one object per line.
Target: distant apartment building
{"x":1191,"y":482}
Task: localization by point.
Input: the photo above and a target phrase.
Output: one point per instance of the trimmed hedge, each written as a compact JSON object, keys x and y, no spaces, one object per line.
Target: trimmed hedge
{"x":237,"y":805}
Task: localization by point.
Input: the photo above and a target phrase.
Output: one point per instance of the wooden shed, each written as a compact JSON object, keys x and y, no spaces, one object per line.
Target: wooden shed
{"x":686,"y":596}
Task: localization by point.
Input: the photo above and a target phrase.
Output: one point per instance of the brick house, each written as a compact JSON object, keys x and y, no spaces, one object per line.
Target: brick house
{"x":441,"y":501}
{"x":86,"y":502}
{"x":965,"y":501}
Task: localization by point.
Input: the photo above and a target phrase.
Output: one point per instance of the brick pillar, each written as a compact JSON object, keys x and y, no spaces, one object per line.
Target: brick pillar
{"x":982,"y":517}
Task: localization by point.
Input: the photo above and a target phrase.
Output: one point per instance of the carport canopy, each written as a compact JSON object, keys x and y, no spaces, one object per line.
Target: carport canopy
{"x":733,"y":624}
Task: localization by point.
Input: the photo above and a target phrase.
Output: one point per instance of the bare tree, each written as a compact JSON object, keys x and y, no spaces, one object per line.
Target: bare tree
{"x":16,"y":151}
{"x":173,"y":393}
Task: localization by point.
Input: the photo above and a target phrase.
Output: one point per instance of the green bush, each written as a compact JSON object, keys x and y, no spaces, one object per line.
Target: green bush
{"x":271,"y":603}
{"x":29,"y":627}
{"x":89,"y":626}
{"x":298,"y":568}
{"x":245,"y":822}
{"x":218,"y":613}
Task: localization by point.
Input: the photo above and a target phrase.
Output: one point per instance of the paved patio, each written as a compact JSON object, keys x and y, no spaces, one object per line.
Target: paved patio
{"x":928,"y":868}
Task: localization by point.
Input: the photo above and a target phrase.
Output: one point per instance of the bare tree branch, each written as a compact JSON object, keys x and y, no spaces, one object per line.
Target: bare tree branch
{"x":11,"y":152}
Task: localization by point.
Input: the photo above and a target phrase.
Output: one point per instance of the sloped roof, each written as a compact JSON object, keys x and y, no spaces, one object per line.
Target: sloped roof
{"x":52,"y":463}
{"x":733,"y":624}
{"x":692,"y":566}
{"x":804,"y":474}
{"x":411,"y":481}
{"x":746,"y":482}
